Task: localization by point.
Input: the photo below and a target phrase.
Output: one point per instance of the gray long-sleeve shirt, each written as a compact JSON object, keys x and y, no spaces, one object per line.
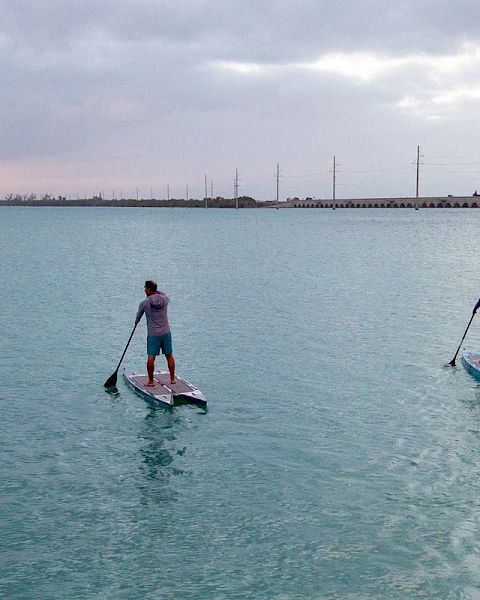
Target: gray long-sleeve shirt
{"x":155,"y":309}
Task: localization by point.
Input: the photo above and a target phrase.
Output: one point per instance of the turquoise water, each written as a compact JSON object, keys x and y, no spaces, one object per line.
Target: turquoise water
{"x":338,"y":457}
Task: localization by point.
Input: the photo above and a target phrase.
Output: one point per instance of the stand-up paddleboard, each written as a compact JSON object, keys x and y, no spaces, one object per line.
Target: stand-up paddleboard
{"x":158,"y":394}
{"x":164,"y":392}
{"x":471,"y":361}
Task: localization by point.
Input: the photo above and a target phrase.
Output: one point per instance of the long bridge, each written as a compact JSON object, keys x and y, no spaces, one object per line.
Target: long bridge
{"x":425,"y":202}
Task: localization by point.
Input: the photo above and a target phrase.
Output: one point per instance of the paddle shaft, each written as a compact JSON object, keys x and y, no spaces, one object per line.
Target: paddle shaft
{"x":112,"y":380}
{"x":128,"y":343}
{"x":452,"y":362}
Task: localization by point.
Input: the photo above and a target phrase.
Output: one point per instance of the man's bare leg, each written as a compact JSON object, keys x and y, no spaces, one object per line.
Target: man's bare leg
{"x":171,"y":367}
{"x":150,"y":369}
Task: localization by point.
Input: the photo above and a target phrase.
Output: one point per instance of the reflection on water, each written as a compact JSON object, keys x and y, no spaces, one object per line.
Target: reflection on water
{"x":158,"y":453}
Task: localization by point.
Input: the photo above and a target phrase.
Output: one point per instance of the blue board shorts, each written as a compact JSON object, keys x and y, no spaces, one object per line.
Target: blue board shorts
{"x":155,"y":343}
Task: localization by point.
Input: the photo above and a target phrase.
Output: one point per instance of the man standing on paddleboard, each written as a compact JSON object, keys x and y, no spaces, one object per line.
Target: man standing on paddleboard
{"x":159,"y":336}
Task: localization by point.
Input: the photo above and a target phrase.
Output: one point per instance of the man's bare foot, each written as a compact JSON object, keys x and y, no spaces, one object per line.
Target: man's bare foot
{"x":172,"y":382}
{"x":150,"y":384}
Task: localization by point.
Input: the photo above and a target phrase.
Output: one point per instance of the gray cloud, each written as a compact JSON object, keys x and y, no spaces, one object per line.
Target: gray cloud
{"x":249,"y":29}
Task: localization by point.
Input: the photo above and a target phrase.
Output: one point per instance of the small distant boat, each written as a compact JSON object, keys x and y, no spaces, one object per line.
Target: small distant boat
{"x":164,"y":392}
{"x":471,"y":362}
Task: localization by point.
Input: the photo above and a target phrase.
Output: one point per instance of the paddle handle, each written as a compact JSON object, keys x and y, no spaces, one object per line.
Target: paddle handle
{"x":452,"y":362}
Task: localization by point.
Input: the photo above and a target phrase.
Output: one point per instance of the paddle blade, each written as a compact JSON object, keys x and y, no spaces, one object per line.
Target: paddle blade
{"x":452,"y":362}
{"x":111,"y":381}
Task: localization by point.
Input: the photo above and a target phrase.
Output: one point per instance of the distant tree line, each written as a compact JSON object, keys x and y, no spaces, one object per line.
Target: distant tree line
{"x":47,"y":200}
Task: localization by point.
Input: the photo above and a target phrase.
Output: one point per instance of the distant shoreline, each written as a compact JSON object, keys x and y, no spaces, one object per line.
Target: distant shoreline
{"x":243,"y":202}
{"x":248,"y":202}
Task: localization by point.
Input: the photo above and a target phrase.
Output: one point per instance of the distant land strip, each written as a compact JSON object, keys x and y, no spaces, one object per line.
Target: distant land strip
{"x":248,"y":202}
{"x":242,"y":202}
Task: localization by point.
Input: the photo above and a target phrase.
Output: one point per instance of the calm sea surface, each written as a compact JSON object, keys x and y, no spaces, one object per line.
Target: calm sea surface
{"x":338,"y":458}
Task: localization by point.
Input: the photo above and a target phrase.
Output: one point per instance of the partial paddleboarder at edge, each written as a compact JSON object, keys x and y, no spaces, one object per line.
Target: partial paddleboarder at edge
{"x":475,"y":308}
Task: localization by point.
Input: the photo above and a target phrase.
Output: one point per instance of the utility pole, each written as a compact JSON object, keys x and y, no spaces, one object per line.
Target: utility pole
{"x":168,"y":192}
{"x":236,"y":188}
{"x":278,"y":179}
{"x":211,"y":189}
{"x":137,"y":193}
{"x":334,"y":179}
{"x":418,"y":171}
{"x":186,"y":192}
{"x":206,"y":192}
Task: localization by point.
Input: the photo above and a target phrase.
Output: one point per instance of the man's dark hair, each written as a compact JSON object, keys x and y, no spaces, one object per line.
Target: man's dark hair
{"x":151,"y":285}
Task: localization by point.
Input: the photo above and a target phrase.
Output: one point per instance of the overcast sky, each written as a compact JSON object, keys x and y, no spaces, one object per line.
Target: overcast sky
{"x":106,"y":96}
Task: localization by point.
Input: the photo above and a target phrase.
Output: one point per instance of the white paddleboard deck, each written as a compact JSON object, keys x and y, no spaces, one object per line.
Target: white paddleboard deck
{"x":164,"y":392}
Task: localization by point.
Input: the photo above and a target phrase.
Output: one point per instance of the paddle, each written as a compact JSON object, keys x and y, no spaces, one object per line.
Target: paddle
{"x":452,"y":362}
{"x":112,"y":380}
